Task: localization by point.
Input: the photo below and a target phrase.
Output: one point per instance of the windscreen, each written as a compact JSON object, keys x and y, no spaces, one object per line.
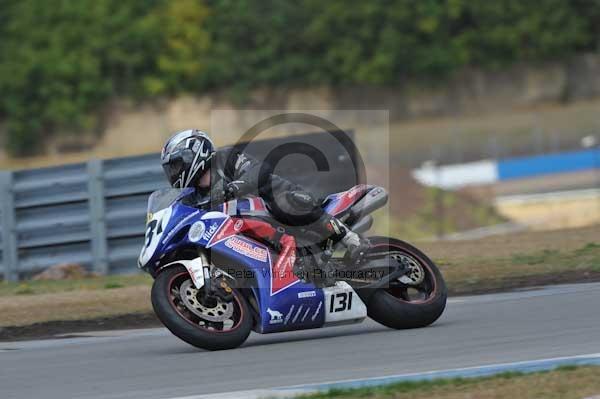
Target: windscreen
{"x":162,"y":199}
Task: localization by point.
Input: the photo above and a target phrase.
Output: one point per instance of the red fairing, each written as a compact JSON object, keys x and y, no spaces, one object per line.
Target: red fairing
{"x":257,"y":204}
{"x":225,"y":231}
{"x":282,"y":272}
{"x":253,"y":227}
{"x":348,"y":198}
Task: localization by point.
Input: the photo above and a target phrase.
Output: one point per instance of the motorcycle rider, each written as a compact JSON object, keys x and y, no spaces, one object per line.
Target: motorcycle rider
{"x":190,"y":159}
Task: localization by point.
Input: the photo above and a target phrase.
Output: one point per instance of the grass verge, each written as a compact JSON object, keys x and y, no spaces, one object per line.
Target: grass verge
{"x":562,"y":383}
{"x":518,"y":260}
{"x":87,"y":284}
{"x":469,"y":267}
{"x":23,"y":310}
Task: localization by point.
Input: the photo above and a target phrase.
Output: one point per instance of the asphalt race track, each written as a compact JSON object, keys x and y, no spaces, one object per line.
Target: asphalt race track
{"x":500,"y":328}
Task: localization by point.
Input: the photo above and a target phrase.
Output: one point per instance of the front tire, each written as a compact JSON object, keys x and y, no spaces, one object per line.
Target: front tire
{"x":396,"y":307}
{"x":199,"y":325}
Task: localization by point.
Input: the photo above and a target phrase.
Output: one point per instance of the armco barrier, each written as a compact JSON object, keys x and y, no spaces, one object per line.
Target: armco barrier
{"x":93,"y":213}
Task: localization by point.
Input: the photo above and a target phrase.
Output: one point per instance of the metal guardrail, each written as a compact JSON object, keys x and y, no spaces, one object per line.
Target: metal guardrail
{"x":93,"y":213}
{"x":90,"y":214}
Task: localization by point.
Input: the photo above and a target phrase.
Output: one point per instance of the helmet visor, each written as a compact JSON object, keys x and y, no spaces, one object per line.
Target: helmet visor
{"x":177,"y":164}
{"x":174,"y":169}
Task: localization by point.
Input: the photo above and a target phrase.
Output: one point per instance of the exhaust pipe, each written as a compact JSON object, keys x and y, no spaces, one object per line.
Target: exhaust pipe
{"x":362,"y":225}
{"x":374,"y":199}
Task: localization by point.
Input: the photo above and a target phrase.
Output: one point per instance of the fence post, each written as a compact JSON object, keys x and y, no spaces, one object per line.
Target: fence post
{"x":97,"y":216}
{"x":10,"y":252}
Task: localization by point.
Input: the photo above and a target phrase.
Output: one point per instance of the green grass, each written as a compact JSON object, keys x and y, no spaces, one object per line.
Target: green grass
{"x":498,"y":263}
{"x":588,"y":254}
{"x":459,"y":213}
{"x":589,"y":248}
{"x":463,"y":275}
{"x":111,"y":285}
{"x":32,"y":287}
{"x":24,"y":289}
{"x":477,"y":274}
{"x":464,"y":387}
{"x":544,"y":256}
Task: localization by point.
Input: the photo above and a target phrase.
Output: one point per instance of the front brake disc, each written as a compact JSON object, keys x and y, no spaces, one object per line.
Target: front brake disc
{"x":189,"y":296}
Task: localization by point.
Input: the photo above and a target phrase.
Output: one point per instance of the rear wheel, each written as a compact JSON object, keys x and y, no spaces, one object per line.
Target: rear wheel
{"x":208,"y":323}
{"x":418,"y":298}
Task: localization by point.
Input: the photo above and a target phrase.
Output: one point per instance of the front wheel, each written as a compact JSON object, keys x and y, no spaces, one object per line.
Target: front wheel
{"x":415,"y":300}
{"x":207,"y":323}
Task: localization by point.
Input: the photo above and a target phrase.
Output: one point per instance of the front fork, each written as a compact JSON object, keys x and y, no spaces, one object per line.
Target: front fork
{"x":215,"y":281}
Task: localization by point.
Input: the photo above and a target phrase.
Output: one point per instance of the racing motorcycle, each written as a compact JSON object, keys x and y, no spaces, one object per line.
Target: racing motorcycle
{"x":221,"y":272}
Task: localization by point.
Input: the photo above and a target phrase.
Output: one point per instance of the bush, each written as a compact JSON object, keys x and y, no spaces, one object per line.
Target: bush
{"x":61,"y":60}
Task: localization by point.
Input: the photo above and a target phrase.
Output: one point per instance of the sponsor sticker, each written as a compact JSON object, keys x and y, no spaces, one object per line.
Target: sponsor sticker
{"x":179,"y":225}
{"x":248,"y":249}
{"x":196,"y":231}
{"x":276,"y":317}
{"x":225,"y":230}
{"x":238,"y":225}
{"x":210,"y":231}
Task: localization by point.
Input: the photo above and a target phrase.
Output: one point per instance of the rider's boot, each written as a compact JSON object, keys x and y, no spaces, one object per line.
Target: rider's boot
{"x":356,"y":247}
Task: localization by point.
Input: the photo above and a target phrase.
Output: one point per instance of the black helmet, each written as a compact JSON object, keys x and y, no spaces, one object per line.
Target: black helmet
{"x":186,"y":157}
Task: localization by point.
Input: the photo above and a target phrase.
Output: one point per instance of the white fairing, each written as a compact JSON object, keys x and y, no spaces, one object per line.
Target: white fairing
{"x":157,"y":223}
{"x":343,"y":305}
{"x":196,"y":268}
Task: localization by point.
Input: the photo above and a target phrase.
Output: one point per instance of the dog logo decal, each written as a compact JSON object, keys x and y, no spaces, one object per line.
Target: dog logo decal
{"x":276,"y":317}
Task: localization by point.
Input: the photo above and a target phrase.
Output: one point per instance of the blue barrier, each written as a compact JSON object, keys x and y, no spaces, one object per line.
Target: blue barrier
{"x":574,"y":161}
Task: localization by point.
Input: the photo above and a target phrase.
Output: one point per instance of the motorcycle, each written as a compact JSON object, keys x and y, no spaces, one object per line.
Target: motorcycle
{"x":220,"y":273}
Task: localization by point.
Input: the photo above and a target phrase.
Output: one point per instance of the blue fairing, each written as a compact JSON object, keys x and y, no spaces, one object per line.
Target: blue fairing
{"x":296,"y":306}
{"x":300,"y":306}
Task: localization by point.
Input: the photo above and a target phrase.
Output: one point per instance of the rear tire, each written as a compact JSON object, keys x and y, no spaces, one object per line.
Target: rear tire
{"x":394,"y":309}
{"x":183,"y":324}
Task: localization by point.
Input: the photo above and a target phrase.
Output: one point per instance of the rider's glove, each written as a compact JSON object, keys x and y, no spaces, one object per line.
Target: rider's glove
{"x":301,"y":201}
{"x":235,"y":189}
